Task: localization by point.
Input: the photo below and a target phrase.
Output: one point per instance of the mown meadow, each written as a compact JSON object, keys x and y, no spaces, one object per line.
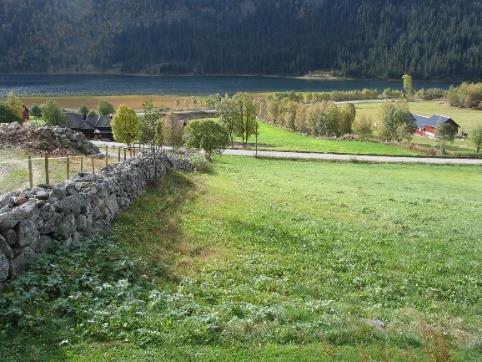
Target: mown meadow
{"x":267,"y":260}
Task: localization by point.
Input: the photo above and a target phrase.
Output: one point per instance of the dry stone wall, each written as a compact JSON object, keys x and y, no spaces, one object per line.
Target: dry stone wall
{"x":33,"y":219}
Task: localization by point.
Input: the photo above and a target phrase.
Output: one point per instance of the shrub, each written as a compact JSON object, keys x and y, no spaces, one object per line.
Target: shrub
{"x":52,"y":115}
{"x":363,"y":126}
{"x":14,"y":104}
{"x":200,"y":163}
{"x":92,"y":114}
{"x":7,"y":116}
{"x":207,"y":135}
{"x":476,"y":138}
{"x":36,"y":111}
{"x":105,"y":108}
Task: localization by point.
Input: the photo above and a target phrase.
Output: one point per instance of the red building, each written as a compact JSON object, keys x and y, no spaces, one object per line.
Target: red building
{"x":427,"y":126}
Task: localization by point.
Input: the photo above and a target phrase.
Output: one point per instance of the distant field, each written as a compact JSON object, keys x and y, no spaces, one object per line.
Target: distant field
{"x":268,"y":260}
{"x":466,"y":118}
{"x":133,"y":101}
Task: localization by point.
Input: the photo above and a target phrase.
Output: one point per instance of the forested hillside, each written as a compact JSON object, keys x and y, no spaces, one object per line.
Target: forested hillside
{"x":375,"y":38}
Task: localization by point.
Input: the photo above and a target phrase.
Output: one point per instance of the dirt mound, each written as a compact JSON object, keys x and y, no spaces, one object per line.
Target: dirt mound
{"x":45,"y":139}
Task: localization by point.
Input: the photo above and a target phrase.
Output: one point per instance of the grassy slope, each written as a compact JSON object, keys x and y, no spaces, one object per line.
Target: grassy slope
{"x":278,"y":259}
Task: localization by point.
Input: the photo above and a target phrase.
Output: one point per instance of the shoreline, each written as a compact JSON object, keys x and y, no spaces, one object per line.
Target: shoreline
{"x":314,"y":77}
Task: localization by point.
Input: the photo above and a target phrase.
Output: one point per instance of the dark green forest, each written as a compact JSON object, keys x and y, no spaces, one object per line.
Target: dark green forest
{"x":431,"y":39}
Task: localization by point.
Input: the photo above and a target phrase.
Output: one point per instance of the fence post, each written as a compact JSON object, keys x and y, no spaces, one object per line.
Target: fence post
{"x":30,"y":172}
{"x":68,"y":167}
{"x":82,"y":164}
{"x":107,"y":155}
{"x":118,"y":155}
{"x":93,"y":164}
{"x":125,"y":154}
{"x":46,"y":164}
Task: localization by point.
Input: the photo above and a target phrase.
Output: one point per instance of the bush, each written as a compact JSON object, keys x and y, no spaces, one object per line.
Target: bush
{"x":92,"y":114}
{"x":105,"y":108}
{"x":200,"y":163}
{"x":7,"y":116}
{"x":52,"y":115}
{"x":36,"y":111}
{"x":363,"y":126}
{"x":467,"y":95}
{"x":207,"y":135}
{"x":14,"y":104}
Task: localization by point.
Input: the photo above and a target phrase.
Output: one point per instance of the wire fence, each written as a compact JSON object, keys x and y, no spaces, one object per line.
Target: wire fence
{"x":26,"y":173}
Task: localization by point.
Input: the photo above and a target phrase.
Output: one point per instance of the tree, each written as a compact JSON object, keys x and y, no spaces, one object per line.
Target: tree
{"x":7,"y":116}
{"x":246,"y":125}
{"x":92,"y":113}
{"x":407,"y":84}
{"x":52,"y":115}
{"x":150,"y":130}
{"x":150,"y":127}
{"x":395,"y":122}
{"x":125,"y":125}
{"x":36,"y":111}
{"x":84,"y":110}
{"x":445,"y":133}
{"x":228,"y":115}
{"x":476,"y":138}
{"x":207,"y":135}
{"x":105,"y":108}
{"x":14,"y":104}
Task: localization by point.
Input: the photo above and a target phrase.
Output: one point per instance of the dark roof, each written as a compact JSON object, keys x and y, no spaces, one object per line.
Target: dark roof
{"x":76,"y":121}
{"x":432,"y":121}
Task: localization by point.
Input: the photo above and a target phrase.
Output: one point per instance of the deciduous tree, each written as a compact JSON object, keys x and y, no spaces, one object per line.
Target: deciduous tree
{"x":125,"y":125}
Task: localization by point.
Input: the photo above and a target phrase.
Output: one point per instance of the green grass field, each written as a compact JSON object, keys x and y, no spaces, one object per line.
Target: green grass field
{"x":268,"y":260}
{"x":274,"y":138}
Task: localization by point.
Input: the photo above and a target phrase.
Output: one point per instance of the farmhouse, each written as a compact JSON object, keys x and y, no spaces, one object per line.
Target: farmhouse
{"x":99,"y":126}
{"x":91,"y":126}
{"x":427,"y":126}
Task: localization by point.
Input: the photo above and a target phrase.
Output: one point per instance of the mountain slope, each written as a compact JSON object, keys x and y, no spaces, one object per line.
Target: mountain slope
{"x":374,"y":38}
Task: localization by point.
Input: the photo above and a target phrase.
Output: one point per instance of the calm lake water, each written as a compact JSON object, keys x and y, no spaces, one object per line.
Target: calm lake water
{"x":77,"y":85}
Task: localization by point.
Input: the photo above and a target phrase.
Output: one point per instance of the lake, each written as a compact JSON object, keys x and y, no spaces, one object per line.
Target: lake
{"x":78,"y":85}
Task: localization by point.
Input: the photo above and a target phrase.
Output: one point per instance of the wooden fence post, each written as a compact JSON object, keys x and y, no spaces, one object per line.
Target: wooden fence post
{"x":118,"y":155}
{"x":107,"y":155}
{"x":30,"y":172}
{"x":125,"y":154}
{"x":68,"y":167}
{"x":93,"y":164}
{"x":82,"y":164}
{"x":46,"y":163}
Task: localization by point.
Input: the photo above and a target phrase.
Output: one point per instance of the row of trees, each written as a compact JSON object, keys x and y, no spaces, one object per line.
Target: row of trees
{"x":467,"y":95}
{"x":319,"y":119}
{"x":394,"y":122}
